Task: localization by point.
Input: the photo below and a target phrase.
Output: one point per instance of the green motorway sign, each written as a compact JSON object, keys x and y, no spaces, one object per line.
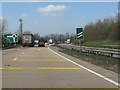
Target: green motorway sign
{"x":10,"y":38}
{"x":79,"y":33}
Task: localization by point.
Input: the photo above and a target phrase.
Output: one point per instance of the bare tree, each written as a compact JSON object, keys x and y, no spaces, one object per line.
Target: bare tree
{"x":27,"y":32}
{"x":108,"y":29}
{"x":3,"y":25}
{"x":36,"y":36}
{"x":3,"y":29}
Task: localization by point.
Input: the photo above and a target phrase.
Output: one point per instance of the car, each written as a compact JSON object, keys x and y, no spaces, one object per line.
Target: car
{"x":36,"y":42}
{"x":46,"y":43}
{"x":41,"y":44}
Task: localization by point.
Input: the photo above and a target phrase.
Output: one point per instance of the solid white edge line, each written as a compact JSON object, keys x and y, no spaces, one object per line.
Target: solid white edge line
{"x":104,"y":77}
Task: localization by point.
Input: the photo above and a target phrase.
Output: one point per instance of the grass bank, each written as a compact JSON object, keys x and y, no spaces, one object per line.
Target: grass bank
{"x":102,"y":61}
{"x":104,"y":44}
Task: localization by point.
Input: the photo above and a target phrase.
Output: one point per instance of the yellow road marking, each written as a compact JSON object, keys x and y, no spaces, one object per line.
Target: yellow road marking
{"x":40,"y":60}
{"x":37,"y":53}
{"x":12,"y":68}
{"x":38,"y":68}
{"x":55,"y":68}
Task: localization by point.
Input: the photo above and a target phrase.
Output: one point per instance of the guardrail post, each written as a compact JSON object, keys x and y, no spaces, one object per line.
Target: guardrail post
{"x":80,"y":45}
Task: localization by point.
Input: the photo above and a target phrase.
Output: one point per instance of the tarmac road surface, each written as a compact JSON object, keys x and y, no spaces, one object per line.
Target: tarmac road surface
{"x":40,"y":67}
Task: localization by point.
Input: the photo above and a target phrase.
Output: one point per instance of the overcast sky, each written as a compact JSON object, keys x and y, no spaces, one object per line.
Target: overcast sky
{"x":55,"y":17}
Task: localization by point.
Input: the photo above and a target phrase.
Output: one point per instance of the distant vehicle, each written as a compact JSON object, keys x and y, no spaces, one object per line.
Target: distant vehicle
{"x":41,"y":44}
{"x":46,"y":43}
{"x":28,"y":40}
{"x":50,"y":41}
{"x":68,"y":41}
{"x":36,"y":42}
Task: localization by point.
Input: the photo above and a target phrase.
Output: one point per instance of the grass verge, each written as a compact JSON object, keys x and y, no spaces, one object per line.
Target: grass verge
{"x":103,"y":44}
{"x":102,"y":61}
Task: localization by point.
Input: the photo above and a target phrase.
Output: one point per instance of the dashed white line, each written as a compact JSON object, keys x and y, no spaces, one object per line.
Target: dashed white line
{"x":104,"y":77}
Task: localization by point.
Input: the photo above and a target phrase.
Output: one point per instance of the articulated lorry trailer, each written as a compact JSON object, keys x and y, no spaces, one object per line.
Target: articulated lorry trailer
{"x":28,"y":40}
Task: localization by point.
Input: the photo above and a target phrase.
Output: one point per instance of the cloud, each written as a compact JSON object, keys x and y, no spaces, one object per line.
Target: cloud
{"x":52,"y":9}
{"x":22,"y":16}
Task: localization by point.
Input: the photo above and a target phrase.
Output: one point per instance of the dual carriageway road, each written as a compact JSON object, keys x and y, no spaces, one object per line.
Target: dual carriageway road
{"x":41,"y":67}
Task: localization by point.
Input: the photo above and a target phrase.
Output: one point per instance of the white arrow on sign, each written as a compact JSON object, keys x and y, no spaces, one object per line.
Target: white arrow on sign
{"x":13,"y":37}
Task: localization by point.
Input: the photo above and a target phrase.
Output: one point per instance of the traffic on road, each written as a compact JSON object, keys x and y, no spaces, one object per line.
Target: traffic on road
{"x":59,"y":44}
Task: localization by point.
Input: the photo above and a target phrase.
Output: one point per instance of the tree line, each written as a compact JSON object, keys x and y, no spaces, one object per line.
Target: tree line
{"x":107,"y":29}
{"x":61,"y":38}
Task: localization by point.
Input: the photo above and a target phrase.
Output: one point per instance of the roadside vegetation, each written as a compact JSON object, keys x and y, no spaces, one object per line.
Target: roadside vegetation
{"x":103,"y":44}
{"x":102,"y":61}
{"x":103,"y":33}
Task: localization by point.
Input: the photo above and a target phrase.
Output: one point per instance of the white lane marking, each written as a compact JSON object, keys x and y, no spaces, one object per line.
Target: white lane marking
{"x":104,"y":77}
{"x":39,"y":49}
{"x":18,"y":49}
{"x":14,"y":59}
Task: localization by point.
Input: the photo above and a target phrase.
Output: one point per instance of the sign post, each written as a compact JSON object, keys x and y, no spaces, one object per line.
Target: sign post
{"x":79,"y":33}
